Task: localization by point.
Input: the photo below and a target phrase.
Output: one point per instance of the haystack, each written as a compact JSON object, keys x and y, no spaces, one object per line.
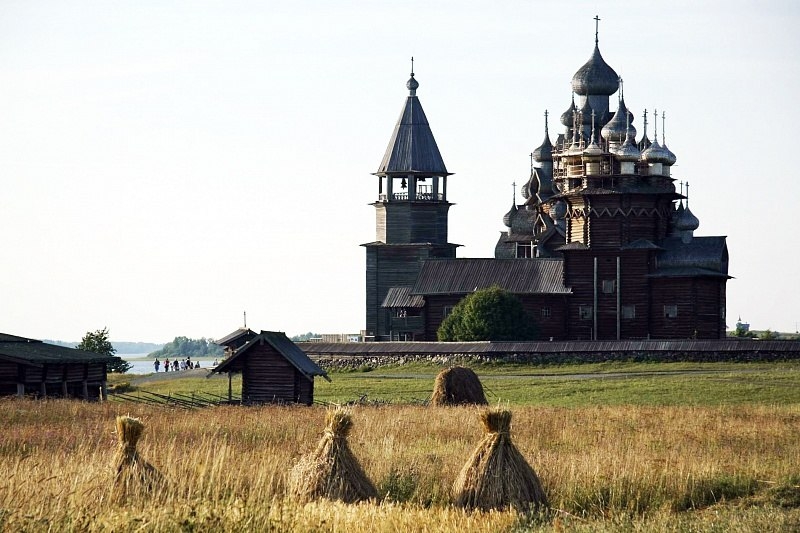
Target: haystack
{"x":497,"y":476}
{"x":133,"y":475}
{"x":457,"y":386}
{"x":331,"y":471}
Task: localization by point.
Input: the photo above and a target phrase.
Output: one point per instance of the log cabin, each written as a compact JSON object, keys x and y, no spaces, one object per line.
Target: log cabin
{"x":273,"y":368}
{"x":32,"y":368}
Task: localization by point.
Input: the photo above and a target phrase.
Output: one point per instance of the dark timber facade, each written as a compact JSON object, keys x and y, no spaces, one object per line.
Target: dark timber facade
{"x":33,"y":368}
{"x":602,"y":248}
{"x":411,"y":213}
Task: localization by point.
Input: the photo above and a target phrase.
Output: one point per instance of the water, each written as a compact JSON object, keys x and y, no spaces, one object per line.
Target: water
{"x":143,"y":365}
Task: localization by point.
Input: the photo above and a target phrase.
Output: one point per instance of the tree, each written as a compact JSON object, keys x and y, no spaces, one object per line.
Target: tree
{"x":491,"y":314}
{"x":97,"y":342}
{"x":769,"y":335}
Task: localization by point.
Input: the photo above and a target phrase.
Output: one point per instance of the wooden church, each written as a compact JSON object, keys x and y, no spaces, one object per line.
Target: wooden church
{"x":602,"y":248}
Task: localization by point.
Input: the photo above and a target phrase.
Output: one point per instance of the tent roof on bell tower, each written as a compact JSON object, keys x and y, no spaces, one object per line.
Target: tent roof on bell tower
{"x":412,"y":148}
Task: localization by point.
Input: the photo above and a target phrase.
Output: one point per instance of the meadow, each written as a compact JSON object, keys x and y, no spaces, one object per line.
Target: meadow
{"x":646,"y":448}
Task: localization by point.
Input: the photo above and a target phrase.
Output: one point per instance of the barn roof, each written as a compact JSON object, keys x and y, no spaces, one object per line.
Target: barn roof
{"x":517,"y":276}
{"x":35,"y":352}
{"x":701,"y":252}
{"x":284,"y":346}
{"x":236,"y":335}
{"x":402,"y":297}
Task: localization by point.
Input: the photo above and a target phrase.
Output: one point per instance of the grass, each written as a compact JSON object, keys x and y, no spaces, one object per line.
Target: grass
{"x":604,"y":468}
{"x":644,"y":384}
{"x":630,"y":447}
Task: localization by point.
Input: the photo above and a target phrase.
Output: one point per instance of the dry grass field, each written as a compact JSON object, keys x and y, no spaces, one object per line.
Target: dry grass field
{"x":616,"y":468}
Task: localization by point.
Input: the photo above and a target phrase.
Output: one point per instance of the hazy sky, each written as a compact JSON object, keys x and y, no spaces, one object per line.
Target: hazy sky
{"x":165,"y":165}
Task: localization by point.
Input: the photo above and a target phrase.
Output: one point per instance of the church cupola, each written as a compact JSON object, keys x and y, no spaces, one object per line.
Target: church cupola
{"x":669,"y":157}
{"x":412,"y":168}
{"x":595,"y":81}
{"x":620,"y":126}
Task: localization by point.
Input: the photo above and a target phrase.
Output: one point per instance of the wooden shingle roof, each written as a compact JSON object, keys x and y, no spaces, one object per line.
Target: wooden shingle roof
{"x":284,"y":346}
{"x":517,"y":276}
{"x":35,"y":352}
{"x":399,"y":297}
{"x":412,"y":148}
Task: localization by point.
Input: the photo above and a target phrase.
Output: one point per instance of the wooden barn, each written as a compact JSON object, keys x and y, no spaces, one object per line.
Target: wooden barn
{"x":30,"y":367}
{"x":273,"y":368}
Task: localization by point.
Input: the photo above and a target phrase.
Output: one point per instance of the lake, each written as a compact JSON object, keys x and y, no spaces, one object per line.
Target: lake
{"x":144,"y":365}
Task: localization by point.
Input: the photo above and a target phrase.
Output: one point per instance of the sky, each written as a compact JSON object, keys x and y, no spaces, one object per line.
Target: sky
{"x":166,"y":166}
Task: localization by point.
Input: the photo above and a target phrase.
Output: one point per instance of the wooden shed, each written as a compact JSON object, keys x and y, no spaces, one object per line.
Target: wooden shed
{"x":274,"y":369}
{"x":30,"y":367}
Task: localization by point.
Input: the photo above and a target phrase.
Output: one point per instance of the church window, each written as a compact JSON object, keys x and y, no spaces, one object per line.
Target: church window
{"x":585,"y":312}
{"x":609,"y":285}
{"x":670,"y":311}
{"x":524,"y":250}
{"x":545,"y":312}
{"x":628,"y":311}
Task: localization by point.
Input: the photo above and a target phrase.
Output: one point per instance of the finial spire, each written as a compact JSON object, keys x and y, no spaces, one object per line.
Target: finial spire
{"x":412,"y":65}
{"x":681,"y":188}
{"x":592,"y":139}
{"x":531,"y":154}
{"x":245,"y":318}
{"x":655,"y":126}
{"x":514,"y":186}
{"x":412,"y":83}
{"x":687,"y":195}
{"x":663,"y":128}
{"x":596,"y":29}
{"x":621,"y":89}
{"x":546,"y":132}
{"x":644,"y":133}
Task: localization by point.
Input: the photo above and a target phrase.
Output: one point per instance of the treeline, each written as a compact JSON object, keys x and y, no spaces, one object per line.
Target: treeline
{"x":305,"y":337}
{"x":182,"y":347}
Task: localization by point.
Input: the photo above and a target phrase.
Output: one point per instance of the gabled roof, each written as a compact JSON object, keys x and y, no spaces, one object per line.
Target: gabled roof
{"x":412,"y":148}
{"x":701,"y":252}
{"x":37,"y":353}
{"x":399,"y":297}
{"x":284,"y":346}
{"x":517,"y":276}
{"x":236,"y":335}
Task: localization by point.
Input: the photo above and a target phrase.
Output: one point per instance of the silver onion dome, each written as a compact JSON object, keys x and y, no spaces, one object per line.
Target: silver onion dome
{"x":654,"y":153}
{"x":628,"y":151}
{"x":595,"y":77}
{"x":620,"y":125}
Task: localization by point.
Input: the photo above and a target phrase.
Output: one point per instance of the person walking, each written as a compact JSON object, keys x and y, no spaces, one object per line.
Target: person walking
{"x":156,"y":364}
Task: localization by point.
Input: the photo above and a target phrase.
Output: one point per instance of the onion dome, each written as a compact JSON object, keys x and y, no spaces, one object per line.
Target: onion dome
{"x":619,"y":126}
{"x":412,"y":85}
{"x":687,"y":221}
{"x":558,"y":210}
{"x":509,"y":217}
{"x":654,"y":154}
{"x":568,"y":116}
{"x":628,"y":151}
{"x":545,"y":151}
{"x":595,"y":77}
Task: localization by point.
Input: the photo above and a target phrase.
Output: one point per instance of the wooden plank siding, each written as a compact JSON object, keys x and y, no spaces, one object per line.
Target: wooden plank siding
{"x":267,"y":377}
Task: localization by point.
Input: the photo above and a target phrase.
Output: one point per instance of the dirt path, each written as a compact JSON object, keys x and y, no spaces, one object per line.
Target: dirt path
{"x":180,"y":374}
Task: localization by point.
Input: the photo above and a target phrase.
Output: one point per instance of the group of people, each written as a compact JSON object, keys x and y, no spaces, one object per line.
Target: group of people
{"x":176,"y":365}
